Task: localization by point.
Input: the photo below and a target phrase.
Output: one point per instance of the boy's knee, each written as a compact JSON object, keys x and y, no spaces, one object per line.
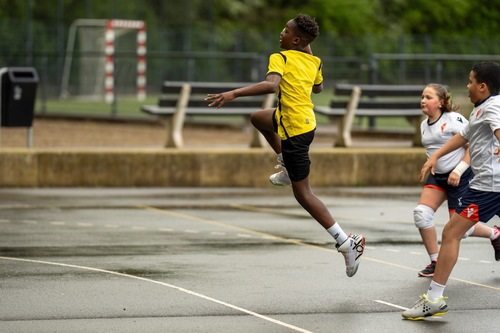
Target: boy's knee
{"x":455,"y":230}
{"x":262,"y":119}
{"x":253,"y":118}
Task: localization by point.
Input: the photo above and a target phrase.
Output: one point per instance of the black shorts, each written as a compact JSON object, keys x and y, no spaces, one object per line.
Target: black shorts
{"x":295,"y":152}
{"x":296,"y":155}
{"x":439,"y":181}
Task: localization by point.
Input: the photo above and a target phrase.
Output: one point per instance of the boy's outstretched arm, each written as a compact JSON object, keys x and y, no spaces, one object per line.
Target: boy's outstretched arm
{"x":268,"y":86}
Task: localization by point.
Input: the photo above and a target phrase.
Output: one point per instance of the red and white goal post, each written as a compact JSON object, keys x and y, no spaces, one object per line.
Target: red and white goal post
{"x":111,"y":25}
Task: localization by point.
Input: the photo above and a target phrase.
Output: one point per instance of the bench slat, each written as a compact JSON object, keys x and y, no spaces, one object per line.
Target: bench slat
{"x":378,"y":90}
{"x":378,"y":104}
{"x":371,"y":112}
{"x":207,"y":111}
{"x":158,"y":110}
{"x":201,"y":103}
{"x":172,"y":87}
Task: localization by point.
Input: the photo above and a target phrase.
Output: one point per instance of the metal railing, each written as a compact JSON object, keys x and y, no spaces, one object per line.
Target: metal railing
{"x":424,"y":68}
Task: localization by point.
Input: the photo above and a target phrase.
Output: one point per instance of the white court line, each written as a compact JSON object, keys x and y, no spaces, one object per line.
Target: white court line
{"x":57,"y":223}
{"x":83,"y":224}
{"x":403,"y":308}
{"x":4,"y":221}
{"x":390,"y":304}
{"x":187,"y":291}
{"x":29,"y":221}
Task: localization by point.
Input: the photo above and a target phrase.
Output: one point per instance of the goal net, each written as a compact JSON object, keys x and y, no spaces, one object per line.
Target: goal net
{"x":103,"y":55}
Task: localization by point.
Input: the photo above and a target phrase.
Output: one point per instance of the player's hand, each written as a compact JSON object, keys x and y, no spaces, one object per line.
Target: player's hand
{"x":497,"y":152}
{"x":430,"y":165}
{"x":453,"y":179}
{"x":218,"y":100}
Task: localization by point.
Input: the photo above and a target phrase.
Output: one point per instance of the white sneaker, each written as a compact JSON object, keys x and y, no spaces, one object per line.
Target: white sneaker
{"x":280,"y":178}
{"x":425,"y":308}
{"x":352,"y":250}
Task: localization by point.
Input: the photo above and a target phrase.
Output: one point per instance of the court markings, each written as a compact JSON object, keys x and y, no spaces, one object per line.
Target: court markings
{"x":292,"y":241}
{"x":214,"y":233}
{"x":431,"y":318}
{"x":242,"y":232}
{"x":168,"y":285}
{"x":391,"y":305}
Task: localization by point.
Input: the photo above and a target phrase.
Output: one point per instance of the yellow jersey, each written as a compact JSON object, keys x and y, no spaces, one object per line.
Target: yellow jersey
{"x":299,"y":72}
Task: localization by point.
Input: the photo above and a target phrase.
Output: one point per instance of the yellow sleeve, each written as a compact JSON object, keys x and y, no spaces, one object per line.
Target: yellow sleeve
{"x":277,"y":63}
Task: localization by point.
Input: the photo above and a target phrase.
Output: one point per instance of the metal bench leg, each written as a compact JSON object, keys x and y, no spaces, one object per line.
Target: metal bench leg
{"x":176,"y":123}
{"x":417,"y":137}
{"x":258,"y":140}
{"x":339,"y":137}
{"x":344,"y":138}
{"x":171,"y":141}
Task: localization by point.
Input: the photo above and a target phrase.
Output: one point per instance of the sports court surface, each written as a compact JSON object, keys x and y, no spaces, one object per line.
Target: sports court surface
{"x":225,"y":260}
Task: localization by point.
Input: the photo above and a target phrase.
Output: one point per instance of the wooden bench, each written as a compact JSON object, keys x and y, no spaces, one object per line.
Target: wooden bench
{"x":366,"y":100}
{"x":179,"y":99}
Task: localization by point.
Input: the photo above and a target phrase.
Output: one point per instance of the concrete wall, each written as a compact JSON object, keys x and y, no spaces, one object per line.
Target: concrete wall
{"x":25,"y":167}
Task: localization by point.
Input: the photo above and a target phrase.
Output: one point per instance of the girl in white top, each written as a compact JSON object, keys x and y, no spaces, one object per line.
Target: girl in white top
{"x":452,"y":172}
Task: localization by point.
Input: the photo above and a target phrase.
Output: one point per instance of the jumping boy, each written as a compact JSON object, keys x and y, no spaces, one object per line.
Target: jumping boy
{"x":293,"y":75}
{"x":481,"y":202}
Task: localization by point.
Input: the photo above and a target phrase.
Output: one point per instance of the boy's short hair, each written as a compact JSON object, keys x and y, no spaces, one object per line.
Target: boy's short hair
{"x":307,"y":27}
{"x":488,"y":72}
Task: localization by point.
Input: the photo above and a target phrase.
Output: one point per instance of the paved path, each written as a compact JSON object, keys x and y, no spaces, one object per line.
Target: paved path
{"x":224,"y":260}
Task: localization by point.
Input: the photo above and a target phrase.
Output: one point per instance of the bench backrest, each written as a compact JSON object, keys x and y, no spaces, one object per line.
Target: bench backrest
{"x":199,"y":90}
{"x":386,"y":97}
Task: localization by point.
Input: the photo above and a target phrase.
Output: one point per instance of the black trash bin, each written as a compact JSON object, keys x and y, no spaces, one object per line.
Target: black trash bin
{"x":18,"y":93}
